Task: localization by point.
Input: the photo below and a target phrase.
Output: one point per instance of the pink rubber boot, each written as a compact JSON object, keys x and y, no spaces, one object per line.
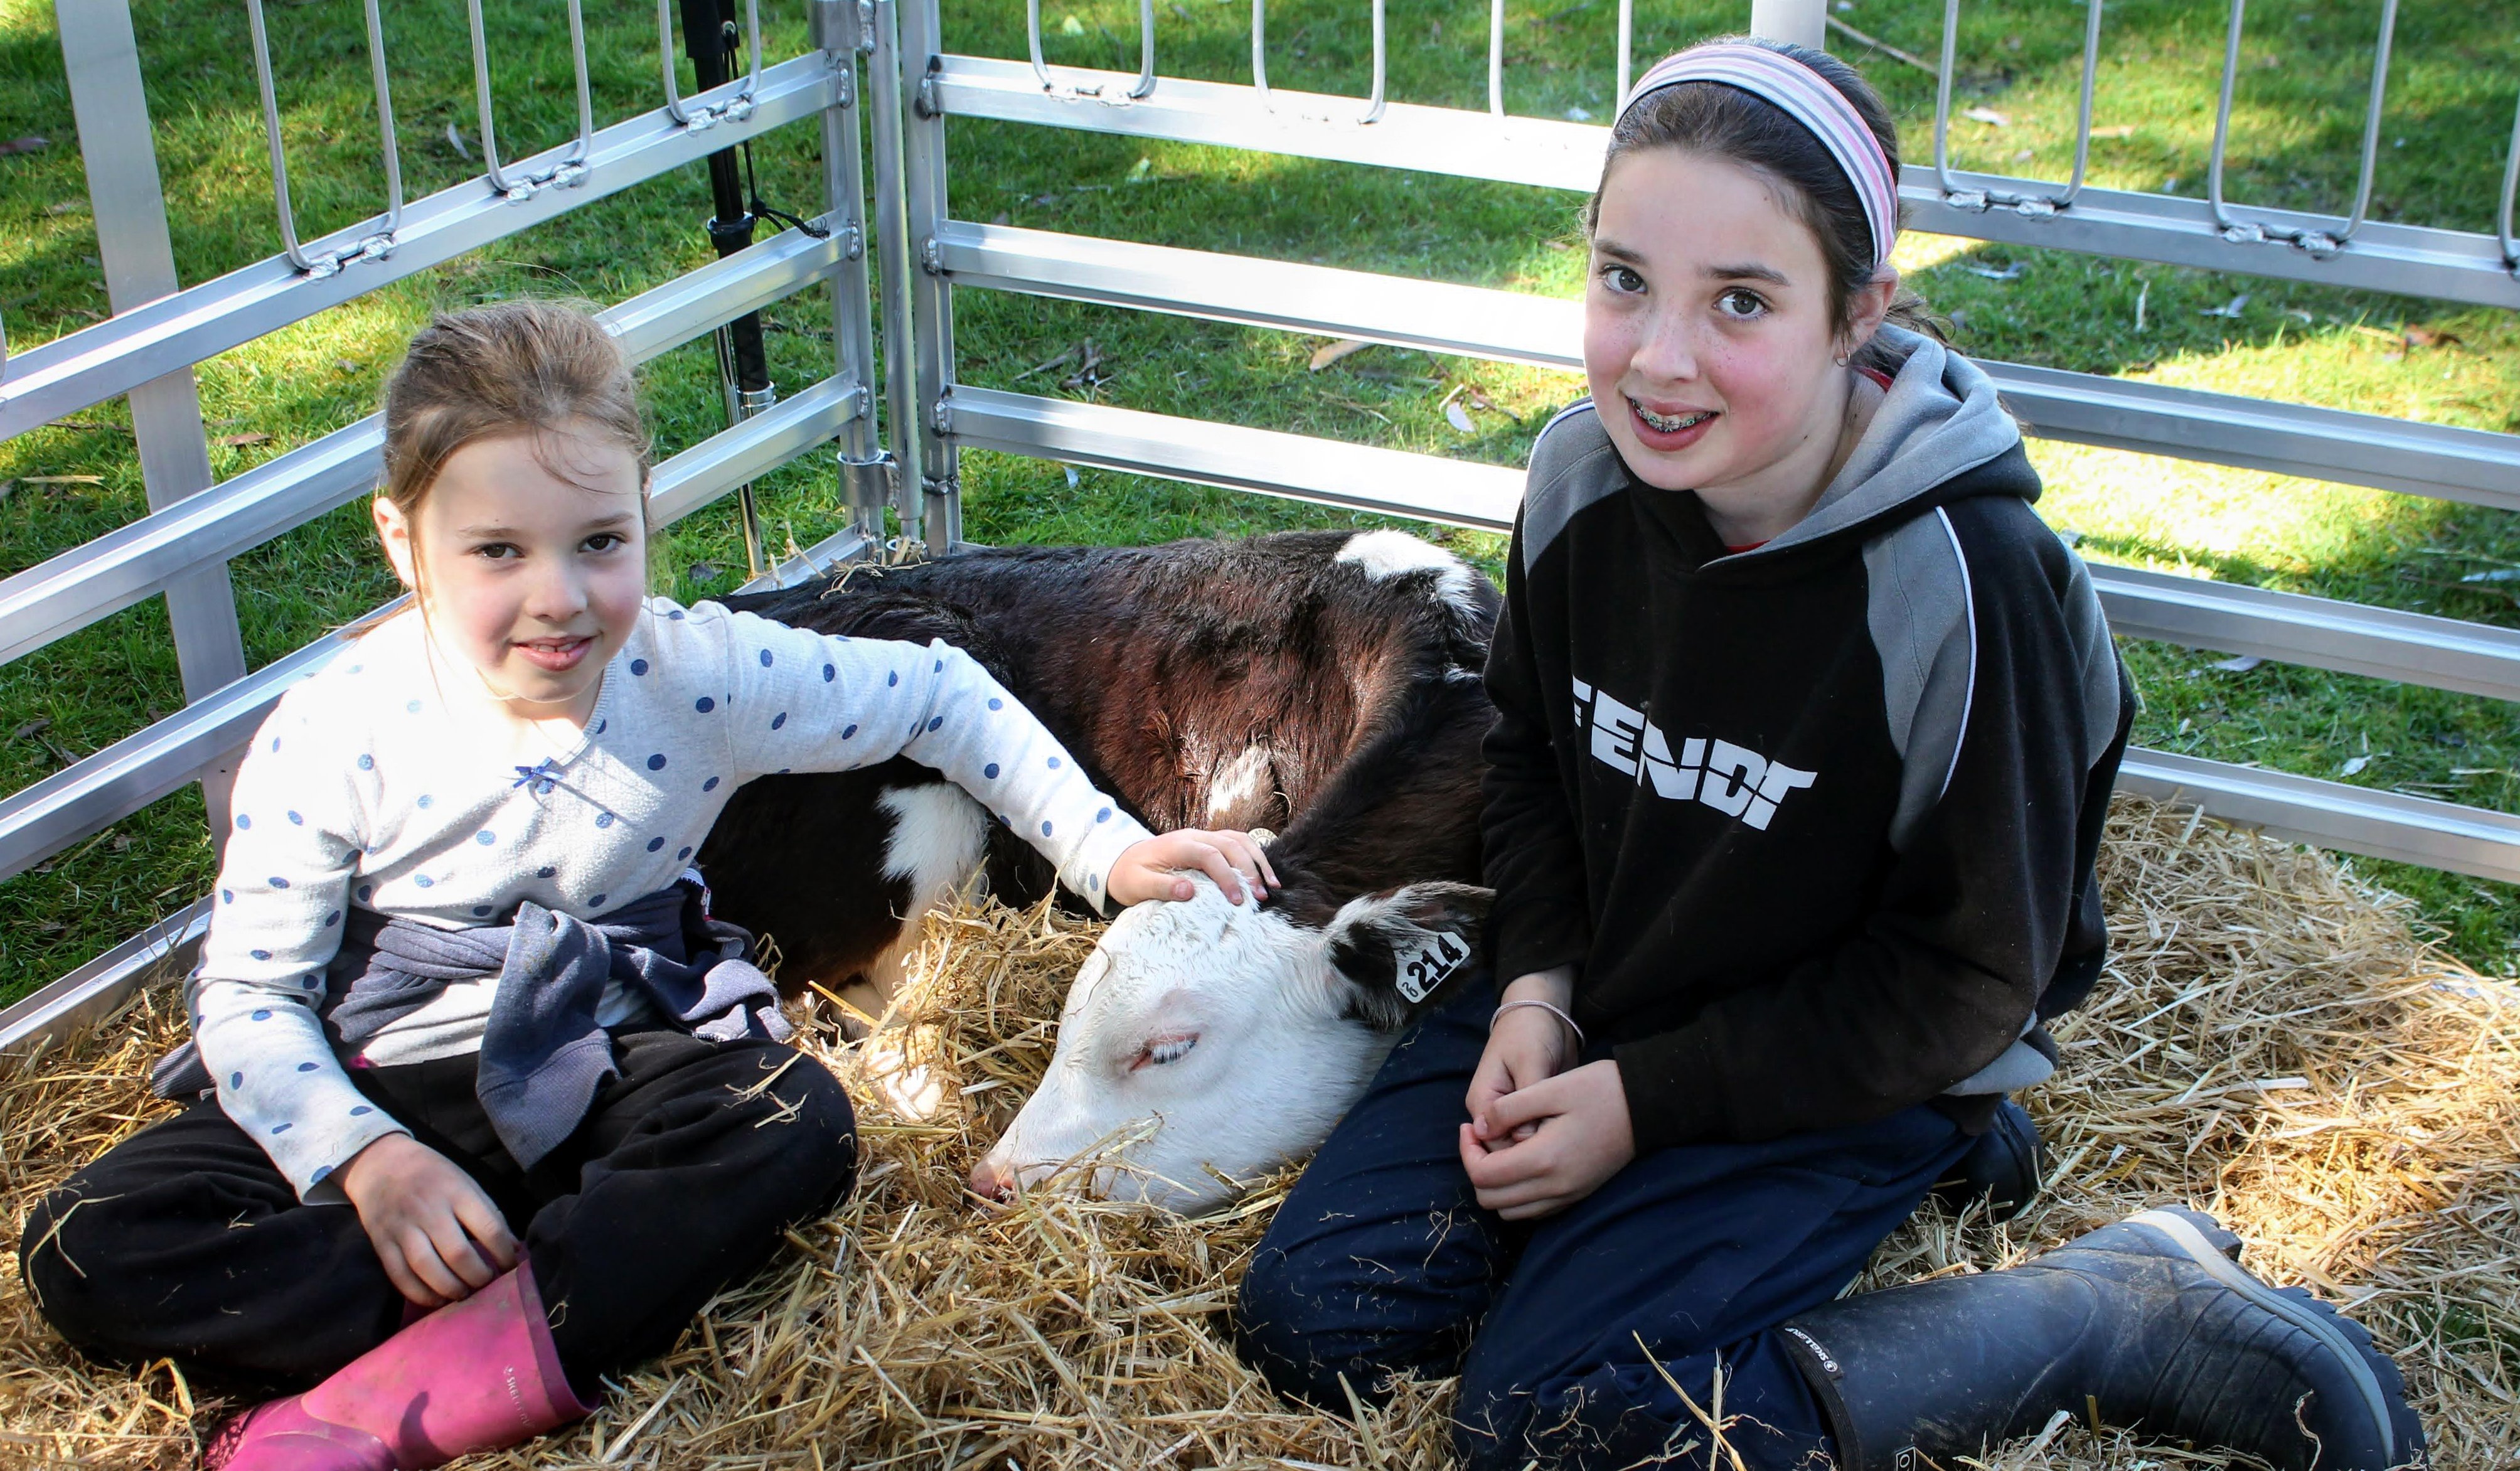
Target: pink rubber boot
{"x":475,"y":1375}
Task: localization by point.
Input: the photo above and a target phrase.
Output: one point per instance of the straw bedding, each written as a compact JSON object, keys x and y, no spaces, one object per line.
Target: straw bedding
{"x":2272,"y":1045}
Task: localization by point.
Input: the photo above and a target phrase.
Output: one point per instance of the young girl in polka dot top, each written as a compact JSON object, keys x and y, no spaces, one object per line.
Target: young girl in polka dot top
{"x":486,"y":1106}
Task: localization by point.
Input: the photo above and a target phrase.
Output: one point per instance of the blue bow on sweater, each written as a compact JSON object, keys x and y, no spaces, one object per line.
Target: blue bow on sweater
{"x":543,"y":1054}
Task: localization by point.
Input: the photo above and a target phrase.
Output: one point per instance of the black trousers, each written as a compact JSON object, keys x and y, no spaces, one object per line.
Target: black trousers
{"x":184,"y":1241}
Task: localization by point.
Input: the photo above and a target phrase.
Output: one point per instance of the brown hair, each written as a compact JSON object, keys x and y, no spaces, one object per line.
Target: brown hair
{"x":507,"y":367}
{"x":1726,"y":122}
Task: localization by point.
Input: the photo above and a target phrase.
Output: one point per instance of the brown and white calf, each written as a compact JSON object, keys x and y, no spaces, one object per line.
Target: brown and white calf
{"x":1324,"y":685}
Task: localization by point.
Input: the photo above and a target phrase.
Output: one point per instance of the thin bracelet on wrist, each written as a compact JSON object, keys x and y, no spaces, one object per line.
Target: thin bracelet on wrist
{"x":1552,"y":1007}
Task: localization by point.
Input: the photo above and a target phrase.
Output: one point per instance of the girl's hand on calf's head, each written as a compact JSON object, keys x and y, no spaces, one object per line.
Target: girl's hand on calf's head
{"x":439,"y":1236}
{"x":1582,"y":1138}
{"x":1159,"y":868}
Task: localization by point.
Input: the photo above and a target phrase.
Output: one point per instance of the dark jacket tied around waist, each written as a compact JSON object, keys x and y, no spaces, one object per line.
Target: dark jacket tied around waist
{"x":543,"y":1054}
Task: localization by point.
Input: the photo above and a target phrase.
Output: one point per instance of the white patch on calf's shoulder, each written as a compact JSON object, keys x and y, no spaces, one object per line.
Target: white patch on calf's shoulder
{"x":936,"y":841}
{"x":1383,"y":555}
{"x":1239,"y":780}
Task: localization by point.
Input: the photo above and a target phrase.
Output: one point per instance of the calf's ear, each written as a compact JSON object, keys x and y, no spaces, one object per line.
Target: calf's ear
{"x":1394,"y":952}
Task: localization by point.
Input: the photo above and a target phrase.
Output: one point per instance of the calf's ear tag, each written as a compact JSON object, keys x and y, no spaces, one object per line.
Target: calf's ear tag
{"x":1419,"y":968}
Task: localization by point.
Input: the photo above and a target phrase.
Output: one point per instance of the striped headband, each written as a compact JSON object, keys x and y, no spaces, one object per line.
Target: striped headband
{"x":1807,"y":97}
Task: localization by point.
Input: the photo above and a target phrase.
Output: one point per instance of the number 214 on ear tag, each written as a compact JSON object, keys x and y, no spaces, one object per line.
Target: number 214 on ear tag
{"x":1424,"y":965}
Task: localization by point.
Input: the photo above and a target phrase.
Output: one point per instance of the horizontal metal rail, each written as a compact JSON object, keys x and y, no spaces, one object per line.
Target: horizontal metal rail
{"x":2353,"y":638}
{"x":2407,"y":260}
{"x":115,"y":782}
{"x":1297,"y":466}
{"x":2474,"y":465}
{"x":132,"y":563}
{"x":88,"y":994}
{"x":1505,"y":326}
{"x":2332,"y":815}
{"x":94,"y":364}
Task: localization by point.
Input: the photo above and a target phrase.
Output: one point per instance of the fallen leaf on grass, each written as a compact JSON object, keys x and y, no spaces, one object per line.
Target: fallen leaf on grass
{"x":65,"y":206}
{"x":2425,"y":336}
{"x":2122,"y":130}
{"x":1987,"y":116}
{"x":457,"y":139}
{"x":31,"y":144}
{"x":1330,"y":352}
{"x":2499,"y":574}
{"x":60,"y":479}
{"x":2011,"y":272}
{"x":2352,"y":765}
{"x":2239,"y":665}
{"x":1459,"y":417}
{"x":240,"y":441}
{"x":2231,"y":308}
{"x":1477,"y":398}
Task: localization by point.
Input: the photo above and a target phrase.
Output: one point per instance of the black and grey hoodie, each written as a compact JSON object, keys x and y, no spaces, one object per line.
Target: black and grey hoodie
{"x":1816,"y":821}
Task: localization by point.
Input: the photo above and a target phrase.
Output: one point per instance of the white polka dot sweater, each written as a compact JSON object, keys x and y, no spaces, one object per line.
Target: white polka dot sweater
{"x":361,"y":789}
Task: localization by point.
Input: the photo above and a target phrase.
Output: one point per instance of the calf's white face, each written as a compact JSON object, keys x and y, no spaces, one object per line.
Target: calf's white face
{"x":1205,"y":1042}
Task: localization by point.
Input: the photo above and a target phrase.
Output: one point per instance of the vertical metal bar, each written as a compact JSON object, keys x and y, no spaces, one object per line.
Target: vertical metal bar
{"x":2315,"y":241}
{"x":699,"y":120}
{"x":1803,"y":22}
{"x":1146,"y":82}
{"x":271,"y":136}
{"x":385,"y":118}
{"x":110,"y":108}
{"x":1496,"y":58}
{"x":1032,"y":38}
{"x":932,"y":294}
{"x":571,"y":167}
{"x":893,"y":268}
{"x":2510,"y":187}
{"x":2223,"y":221}
{"x":1627,"y":53}
{"x":2371,"y":120}
{"x":1942,"y":101}
{"x":1376,"y":102}
{"x":1260,"y":49}
{"x":846,"y":30}
{"x":2083,"y":117}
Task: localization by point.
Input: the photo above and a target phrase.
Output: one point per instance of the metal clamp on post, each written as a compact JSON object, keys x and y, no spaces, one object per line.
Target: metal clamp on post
{"x":869,"y":485}
{"x":834,"y":25}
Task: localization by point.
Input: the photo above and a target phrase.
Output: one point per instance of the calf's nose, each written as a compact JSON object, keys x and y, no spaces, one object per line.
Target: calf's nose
{"x":991,"y":1181}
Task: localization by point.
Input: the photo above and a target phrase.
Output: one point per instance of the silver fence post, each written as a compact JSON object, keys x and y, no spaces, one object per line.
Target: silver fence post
{"x":932,"y":294}
{"x":893,"y":270}
{"x":112,"y":111}
{"x":1804,"y":22}
{"x":845,"y":31}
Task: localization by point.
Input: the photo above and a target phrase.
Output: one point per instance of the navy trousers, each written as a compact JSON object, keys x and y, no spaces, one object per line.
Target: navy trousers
{"x":1578,"y":1335}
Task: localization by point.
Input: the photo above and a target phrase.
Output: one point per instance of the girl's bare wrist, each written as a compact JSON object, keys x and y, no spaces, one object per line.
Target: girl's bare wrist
{"x":1555,"y":986}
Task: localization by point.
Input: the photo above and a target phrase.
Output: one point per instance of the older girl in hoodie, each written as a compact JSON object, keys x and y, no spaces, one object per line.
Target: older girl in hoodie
{"x":1807,"y":730}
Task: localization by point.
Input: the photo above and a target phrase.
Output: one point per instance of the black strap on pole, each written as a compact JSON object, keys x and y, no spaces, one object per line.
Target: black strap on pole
{"x":710,"y":37}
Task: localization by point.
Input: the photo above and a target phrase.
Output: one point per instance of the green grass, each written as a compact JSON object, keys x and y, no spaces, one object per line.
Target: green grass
{"x":2296,"y":129}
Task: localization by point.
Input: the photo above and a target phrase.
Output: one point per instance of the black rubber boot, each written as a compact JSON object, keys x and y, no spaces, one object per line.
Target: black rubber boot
{"x":2002,"y":1168}
{"x":2152,"y":1319}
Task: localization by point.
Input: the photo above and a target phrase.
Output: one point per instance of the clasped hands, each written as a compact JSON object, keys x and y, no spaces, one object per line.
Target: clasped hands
{"x":1541,"y":1134}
